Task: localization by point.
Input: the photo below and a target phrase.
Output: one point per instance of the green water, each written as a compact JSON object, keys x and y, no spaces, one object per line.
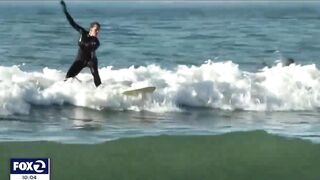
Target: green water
{"x":239,"y":155}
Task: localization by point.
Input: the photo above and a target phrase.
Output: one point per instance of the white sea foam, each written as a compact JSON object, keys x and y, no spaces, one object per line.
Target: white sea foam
{"x":219,"y":85}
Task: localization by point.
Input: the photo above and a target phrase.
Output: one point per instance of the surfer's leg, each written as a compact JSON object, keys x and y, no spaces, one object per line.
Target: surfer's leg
{"x":93,"y":65}
{"x":75,"y":69}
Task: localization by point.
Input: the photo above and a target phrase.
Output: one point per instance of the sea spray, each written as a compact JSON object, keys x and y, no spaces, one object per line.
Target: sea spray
{"x":220,"y":85}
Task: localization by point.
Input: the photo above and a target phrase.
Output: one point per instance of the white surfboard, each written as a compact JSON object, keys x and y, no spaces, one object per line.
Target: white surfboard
{"x":138,"y":91}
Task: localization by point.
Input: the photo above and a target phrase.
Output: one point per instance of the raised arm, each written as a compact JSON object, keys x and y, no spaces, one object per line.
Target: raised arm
{"x":70,"y":19}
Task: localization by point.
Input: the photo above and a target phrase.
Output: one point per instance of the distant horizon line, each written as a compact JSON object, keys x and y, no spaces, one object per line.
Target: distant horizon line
{"x":195,"y":1}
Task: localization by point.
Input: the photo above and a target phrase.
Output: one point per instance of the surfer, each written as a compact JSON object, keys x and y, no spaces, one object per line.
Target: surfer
{"x":88,"y":44}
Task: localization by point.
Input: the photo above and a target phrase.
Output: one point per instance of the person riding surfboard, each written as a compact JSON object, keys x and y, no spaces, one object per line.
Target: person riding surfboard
{"x":88,"y":44}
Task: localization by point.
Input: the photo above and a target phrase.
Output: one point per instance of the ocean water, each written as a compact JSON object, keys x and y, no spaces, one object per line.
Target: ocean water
{"x":218,"y":68}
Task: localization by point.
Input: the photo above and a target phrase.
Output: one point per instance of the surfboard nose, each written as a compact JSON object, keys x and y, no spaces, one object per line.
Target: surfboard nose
{"x":136,"y":92}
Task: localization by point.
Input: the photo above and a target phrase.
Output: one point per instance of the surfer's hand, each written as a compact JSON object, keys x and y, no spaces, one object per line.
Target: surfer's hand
{"x":63,"y":4}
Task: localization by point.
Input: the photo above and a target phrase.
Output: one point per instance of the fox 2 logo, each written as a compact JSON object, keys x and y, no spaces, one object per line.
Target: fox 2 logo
{"x":29,"y":166}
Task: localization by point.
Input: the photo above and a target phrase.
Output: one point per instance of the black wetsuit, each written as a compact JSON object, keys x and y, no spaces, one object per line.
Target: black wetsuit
{"x":86,"y":54}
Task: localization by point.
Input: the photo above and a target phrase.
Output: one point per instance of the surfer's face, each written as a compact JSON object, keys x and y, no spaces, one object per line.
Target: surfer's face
{"x":94,"y":30}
